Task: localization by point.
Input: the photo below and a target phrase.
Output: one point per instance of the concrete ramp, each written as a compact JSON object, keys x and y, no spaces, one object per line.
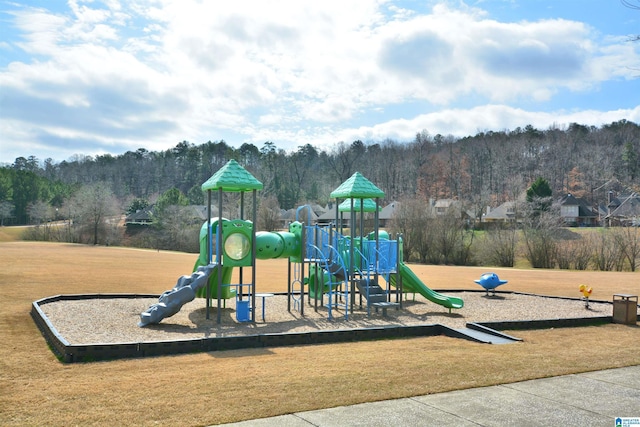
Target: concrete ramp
{"x":482,"y":334}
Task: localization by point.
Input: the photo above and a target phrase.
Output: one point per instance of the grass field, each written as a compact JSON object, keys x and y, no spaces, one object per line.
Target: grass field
{"x":212,"y":388}
{"x":11,"y":234}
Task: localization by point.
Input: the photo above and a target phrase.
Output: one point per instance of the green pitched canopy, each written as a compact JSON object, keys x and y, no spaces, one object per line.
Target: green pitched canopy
{"x":232,"y":177}
{"x":357,"y":187}
{"x":368,"y":204}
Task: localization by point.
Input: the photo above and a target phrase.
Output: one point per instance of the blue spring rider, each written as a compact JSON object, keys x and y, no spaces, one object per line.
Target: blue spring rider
{"x":490,"y":281}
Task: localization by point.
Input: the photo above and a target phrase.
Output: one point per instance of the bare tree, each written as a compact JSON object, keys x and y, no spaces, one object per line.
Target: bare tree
{"x":540,"y":240}
{"x":92,"y":205}
{"x":500,"y":246}
{"x":177,"y":229}
{"x":6,"y":211}
{"x":269,"y":214}
{"x":451,"y":240}
{"x":628,"y":242}
{"x":39,"y":212}
{"x":607,"y":255}
{"x":410,"y":220}
{"x":576,"y":254}
{"x":345,"y":158}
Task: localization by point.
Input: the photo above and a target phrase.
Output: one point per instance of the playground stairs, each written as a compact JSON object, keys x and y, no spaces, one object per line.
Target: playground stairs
{"x":482,"y":334}
{"x":376,"y":296}
{"x":371,"y":291}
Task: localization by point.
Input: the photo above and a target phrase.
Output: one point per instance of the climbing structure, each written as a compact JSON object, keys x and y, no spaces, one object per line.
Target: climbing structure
{"x":329,"y":267}
{"x":234,"y":244}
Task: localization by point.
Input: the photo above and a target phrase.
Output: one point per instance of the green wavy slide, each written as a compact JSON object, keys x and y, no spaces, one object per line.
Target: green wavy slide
{"x":411,"y":283}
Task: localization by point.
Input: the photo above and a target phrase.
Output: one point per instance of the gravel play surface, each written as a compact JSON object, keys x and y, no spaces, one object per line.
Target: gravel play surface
{"x":115,"y":320}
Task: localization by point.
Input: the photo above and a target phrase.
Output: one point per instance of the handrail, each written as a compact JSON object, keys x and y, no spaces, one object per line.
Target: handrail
{"x":370,"y":258}
{"x":321,"y":258}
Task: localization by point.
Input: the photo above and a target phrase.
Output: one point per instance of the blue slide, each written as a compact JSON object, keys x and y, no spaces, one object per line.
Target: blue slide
{"x":171,"y":301}
{"x":411,"y":283}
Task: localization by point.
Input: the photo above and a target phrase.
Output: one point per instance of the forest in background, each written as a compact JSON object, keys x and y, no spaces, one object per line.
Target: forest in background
{"x":85,"y":195}
{"x":481,"y":170}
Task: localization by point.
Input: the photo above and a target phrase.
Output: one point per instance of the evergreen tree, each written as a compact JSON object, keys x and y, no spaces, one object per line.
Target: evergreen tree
{"x":539,"y":196}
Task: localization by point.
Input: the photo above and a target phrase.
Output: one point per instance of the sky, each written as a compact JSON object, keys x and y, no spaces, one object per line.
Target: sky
{"x":95,"y":77}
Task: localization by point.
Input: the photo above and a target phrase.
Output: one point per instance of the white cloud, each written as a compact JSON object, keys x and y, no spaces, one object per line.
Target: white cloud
{"x":158,"y":72}
{"x":458,"y":122}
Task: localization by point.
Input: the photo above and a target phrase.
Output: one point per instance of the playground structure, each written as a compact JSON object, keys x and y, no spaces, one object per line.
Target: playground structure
{"x":325,"y":266}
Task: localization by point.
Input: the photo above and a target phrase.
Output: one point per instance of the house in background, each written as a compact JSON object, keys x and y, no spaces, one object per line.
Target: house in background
{"x":140,"y":217}
{"x":387,"y":213}
{"x":144,"y":217}
{"x":290,"y":215}
{"x":623,"y":210}
{"x":442,"y":206}
{"x":575,"y":211}
{"x":329,"y":216}
{"x":456,"y":208}
{"x":505,"y":213}
{"x":384,"y":216}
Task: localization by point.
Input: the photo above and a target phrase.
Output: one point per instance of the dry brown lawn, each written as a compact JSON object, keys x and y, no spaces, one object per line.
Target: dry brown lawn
{"x":220,"y":387}
{"x":11,"y":234}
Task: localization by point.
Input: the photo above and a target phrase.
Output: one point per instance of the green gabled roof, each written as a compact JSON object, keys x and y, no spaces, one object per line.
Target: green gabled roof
{"x":369,"y":205}
{"x":357,"y":187}
{"x":232,"y":177}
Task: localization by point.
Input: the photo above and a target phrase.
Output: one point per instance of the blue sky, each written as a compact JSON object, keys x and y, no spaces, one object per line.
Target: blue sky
{"x":96,"y":77}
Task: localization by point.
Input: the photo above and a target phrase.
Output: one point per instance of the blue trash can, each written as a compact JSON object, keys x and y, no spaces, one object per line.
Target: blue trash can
{"x":242,"y":311}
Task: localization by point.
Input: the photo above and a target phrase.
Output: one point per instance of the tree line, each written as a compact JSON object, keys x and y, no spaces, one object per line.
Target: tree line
{"x":487,"y":168}
{"x":539,"y":238}
{"x":482,"y":170}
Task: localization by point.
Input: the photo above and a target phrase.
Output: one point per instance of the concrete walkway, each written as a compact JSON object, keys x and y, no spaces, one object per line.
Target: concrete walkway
{"x":588,"y":399}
